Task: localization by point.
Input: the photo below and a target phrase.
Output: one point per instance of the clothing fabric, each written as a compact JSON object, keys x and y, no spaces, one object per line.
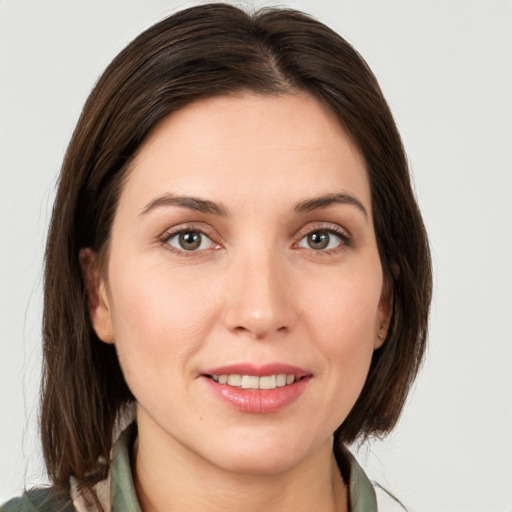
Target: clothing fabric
{"x":117,"y":492}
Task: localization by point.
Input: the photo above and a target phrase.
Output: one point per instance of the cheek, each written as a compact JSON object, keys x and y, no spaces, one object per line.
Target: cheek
{"x":346,"y":306}
{"x":159,"y":322}
{"x":342,"y":321}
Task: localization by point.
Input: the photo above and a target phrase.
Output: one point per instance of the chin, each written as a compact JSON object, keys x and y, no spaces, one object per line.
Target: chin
{"x":262,"y":464}
{"x":262,"y":456}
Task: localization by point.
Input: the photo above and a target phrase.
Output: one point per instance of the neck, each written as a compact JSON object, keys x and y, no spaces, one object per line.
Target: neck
{"x":168,"y":477}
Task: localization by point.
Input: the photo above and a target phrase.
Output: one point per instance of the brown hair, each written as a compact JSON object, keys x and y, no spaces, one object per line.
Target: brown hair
{"x":201,"y":52}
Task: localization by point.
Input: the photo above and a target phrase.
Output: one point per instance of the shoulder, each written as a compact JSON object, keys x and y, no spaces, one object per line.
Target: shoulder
{"x":39,"y":500}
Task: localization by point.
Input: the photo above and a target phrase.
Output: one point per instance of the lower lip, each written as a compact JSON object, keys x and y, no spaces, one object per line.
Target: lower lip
{"x":258,"y":401}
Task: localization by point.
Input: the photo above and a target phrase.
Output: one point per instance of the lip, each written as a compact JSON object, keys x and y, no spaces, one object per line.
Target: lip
{"x":258,"y":370}
{"x":257,"y":401}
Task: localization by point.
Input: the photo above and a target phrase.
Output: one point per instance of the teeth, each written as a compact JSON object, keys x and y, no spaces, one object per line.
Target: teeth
{"x":234,"y":380}
{"x":281,"y":380}
{"x":250,"y":382}
{"x":254,"y":382}
{"x":268,"y":382}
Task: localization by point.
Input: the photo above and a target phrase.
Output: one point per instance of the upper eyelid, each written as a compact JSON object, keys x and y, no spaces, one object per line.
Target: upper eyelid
{"x":323,"y":226}
{"x":188,"y":226}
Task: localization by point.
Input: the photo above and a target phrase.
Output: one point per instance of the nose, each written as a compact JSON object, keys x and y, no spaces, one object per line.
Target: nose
{"x":259,"y":297}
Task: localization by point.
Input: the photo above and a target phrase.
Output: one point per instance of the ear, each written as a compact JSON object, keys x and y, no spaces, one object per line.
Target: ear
{"x":97,"y":298}
{"x":384,"y":312}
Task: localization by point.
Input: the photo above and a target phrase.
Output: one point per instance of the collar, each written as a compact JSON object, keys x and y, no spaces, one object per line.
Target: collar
{"x":123,"y":497}
{"x":361,"y":491}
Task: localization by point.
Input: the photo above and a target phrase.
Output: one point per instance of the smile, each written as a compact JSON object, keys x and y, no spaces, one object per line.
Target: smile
{"x":255,"y":382}
{"x":257,"y":389}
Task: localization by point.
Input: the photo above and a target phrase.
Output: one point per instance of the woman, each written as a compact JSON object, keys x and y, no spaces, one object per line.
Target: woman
{"x":237,"y":275}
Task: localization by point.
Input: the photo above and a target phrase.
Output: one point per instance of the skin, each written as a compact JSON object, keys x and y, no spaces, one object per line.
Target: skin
{"x":254,"y":291}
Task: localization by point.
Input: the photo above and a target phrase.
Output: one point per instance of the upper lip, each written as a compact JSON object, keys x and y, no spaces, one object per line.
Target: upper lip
{"x":257,"y":370}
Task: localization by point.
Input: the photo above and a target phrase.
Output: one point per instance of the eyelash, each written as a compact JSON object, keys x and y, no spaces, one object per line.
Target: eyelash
{"x":341,"y":234}
{"x":345,"y":240}
{"x":168,"y":235}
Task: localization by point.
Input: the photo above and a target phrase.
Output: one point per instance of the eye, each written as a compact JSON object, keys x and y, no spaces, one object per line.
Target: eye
{"x":190,"y":240}
{"x":321,"y":240}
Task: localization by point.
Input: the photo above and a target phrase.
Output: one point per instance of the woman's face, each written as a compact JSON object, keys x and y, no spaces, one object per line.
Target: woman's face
{"x":243,"y":256}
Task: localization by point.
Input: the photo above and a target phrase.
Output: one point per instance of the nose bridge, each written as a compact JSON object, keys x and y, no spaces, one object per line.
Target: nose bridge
{"x":258,"y":293}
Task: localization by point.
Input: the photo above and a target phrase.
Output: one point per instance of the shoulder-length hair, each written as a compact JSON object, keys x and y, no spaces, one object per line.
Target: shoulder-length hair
{"x":200,"y":52}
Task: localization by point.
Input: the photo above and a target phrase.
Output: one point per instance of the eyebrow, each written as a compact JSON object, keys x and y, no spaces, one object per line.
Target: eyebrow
{"x":327,"y":200}
{"x":206,"y":206}
{"x":191,"y":203}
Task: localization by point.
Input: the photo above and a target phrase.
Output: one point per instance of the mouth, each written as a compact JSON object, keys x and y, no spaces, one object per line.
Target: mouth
{"x":254,"y":382}
{"x":258,"y":389}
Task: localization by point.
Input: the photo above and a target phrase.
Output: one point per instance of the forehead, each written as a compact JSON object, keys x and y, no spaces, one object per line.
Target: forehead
{"x":251,"y":145}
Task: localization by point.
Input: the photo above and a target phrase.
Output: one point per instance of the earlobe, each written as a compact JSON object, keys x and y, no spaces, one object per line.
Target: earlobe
{"x":381,"y":337}
{"x":97,"y":297}
{"x":383,"y":316}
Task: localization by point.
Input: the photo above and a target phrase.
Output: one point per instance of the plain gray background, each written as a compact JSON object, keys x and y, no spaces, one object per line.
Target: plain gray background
{"x":446,"y":68}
